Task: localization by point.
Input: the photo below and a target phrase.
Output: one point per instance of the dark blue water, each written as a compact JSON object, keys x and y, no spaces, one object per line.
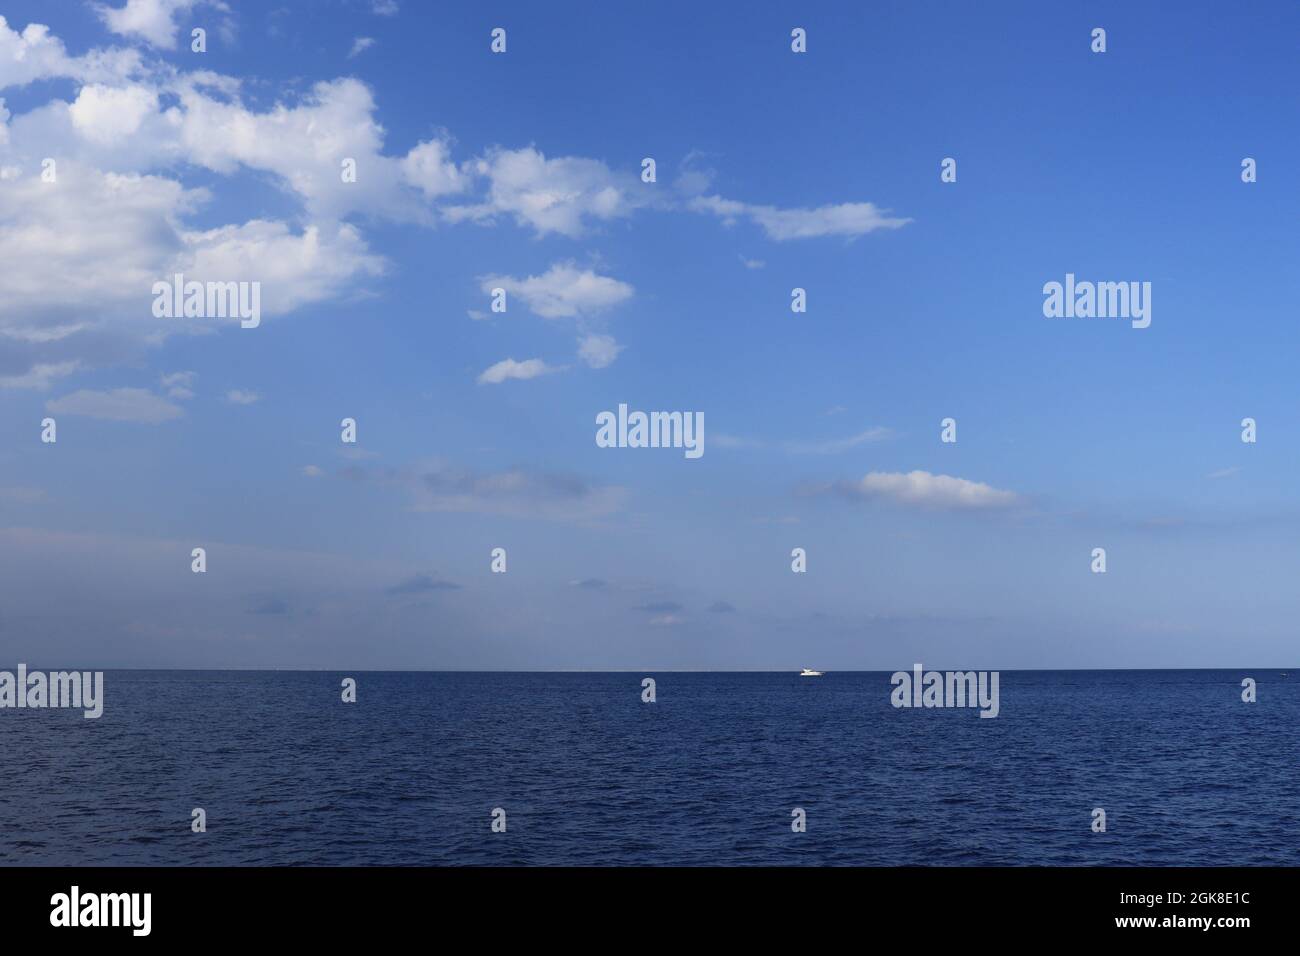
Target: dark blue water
{"x":588,"y":774}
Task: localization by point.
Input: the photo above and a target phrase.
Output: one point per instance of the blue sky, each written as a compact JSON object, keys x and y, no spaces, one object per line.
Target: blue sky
{"x":1073,"y":433}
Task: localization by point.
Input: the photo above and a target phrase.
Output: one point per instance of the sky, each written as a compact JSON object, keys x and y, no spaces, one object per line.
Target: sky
{"x":522,"y":170}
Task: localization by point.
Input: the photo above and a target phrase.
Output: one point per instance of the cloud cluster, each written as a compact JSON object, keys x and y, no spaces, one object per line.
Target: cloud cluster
{"x":83,"y":247}
{"x":564,"y":291}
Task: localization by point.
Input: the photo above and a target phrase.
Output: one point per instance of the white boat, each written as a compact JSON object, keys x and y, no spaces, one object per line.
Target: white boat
{"x":810,"y":673}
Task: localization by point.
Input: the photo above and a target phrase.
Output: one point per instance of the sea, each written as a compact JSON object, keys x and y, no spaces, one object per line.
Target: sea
{"x":552,"y":769}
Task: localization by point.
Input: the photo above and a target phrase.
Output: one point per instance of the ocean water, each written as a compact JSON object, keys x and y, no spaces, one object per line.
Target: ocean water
{"x":1188,"y":774}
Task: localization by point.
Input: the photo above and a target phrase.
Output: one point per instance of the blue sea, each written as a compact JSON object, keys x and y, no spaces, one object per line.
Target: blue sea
{"x":709,"y":773}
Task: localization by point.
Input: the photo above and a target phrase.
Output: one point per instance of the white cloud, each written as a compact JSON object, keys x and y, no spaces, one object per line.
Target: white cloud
{"x":508,"y":368}
{"x":385,"y":8}
{"x":153,"y":21}
{"x":922,"y":489}
{"x":845,"y":219}
{"x":179,"y":385}
{"x":563,"y":291}
{"x":826,"y":447}
{"x":834,"y":446}
{"x":35,"y":54}
{"x":106,"y":115}
{"x":294,"y":269}
{"x":237,"y":396}
{"x":117,"y":405}
{"x":303,"y":145}
{"x":429,"y":168}
{"x":598,"y":351}
{"x":312,"y":471}
{"x":551,"y":195}
{"x":360,"y":45}
{"x":81,"y":256}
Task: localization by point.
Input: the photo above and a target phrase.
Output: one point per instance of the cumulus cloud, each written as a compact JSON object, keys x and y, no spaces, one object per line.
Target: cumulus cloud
{"x":82,"y":253}
{"x":844,"y":219}
{"x":924,"y":490}
{"x":106,"y":115}
{"x":154,"y":21}
{"x":35,"y":54}
{"x":598,"y":351}
{"x":562,"y":195}
{"x":563,"y":291}
{"x":239,"y":396}
{"x":117,"y":405}
{"x":508,"y":369}
{"x":429,"y":168}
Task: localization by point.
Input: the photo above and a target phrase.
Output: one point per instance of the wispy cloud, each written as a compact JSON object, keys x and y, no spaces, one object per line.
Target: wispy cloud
{"x":1224,"y":472}
{"x":117,"y":405}
{"x":270,"y":605}
{"x":850,"y":219}
{"x":922,"y":489}
{"x":659,"y":607}
{"x":21,"y":494}
{"x":360,"y":45}
{"x":831,"y":446}
{"x":421,"y":584}
{"x":179,"y":385}
{"x":508,"y":369}
{"x":441,"y":487}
